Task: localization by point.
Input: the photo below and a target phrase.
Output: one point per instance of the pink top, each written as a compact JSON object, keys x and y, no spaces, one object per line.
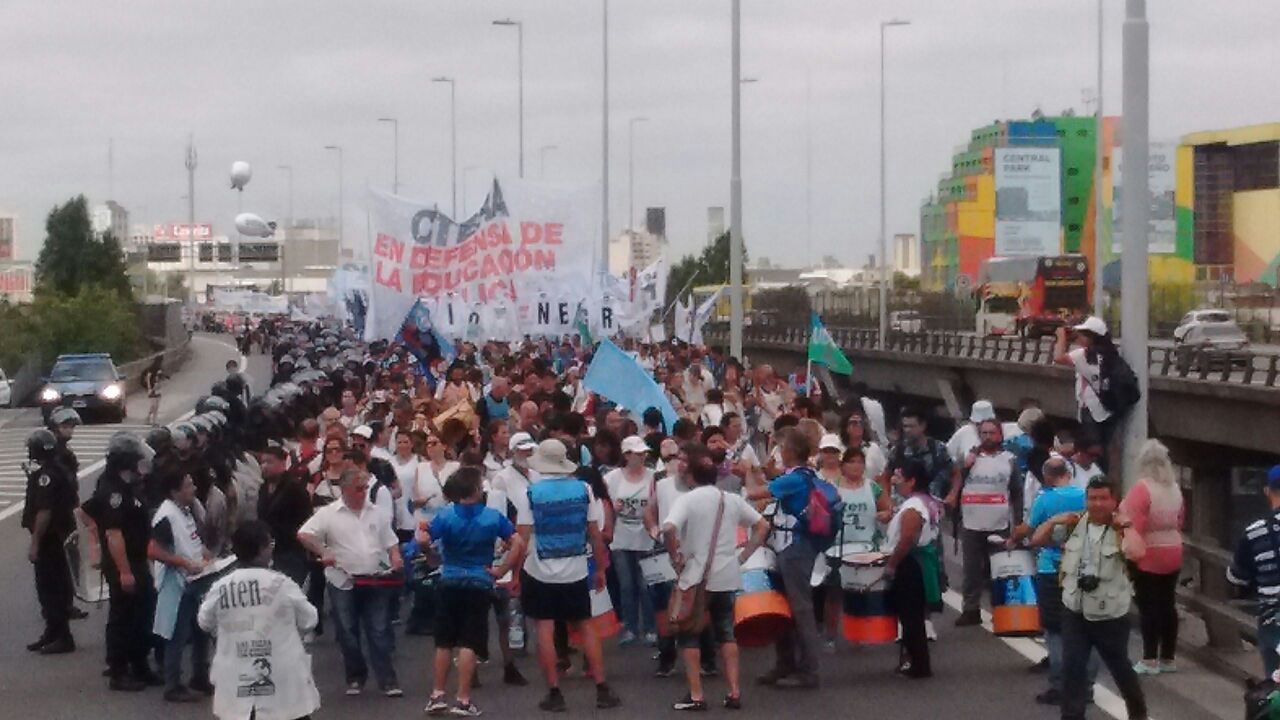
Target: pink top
{"x":1158,"y":519}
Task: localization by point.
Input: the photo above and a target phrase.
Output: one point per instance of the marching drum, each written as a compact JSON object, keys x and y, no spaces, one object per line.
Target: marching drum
{"x":760,"y":612}
{"x":603,"y":619}
{"x":1014,"y":611}
{"x":868,"y":619}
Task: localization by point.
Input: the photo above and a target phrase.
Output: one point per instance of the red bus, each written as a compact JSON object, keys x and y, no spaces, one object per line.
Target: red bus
{"x":1031,"y":296}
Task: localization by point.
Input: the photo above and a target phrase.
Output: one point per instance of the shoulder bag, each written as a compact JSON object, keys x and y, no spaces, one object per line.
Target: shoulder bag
{"x":687,"y":608}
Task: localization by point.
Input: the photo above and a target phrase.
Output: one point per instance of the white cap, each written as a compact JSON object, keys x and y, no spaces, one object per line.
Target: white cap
{"x":634,"y":444}
{"x":831,"y":441}
{"x":1093,"y":324}
{"x":982,"y":410}
{"x":363,"y":431}
{"x":521,"y":441}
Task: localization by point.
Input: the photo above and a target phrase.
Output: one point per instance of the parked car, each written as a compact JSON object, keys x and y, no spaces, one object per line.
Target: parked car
{"x":1200,"y":317}
{"x":906,"y":321}
{"x":88,"y":382}
{"x":6,"y":390}
{"x":1214,"y":344}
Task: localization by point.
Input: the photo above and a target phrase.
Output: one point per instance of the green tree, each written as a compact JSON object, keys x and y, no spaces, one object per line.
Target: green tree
{"x":73,"y":258}
{"x":711,"y":267}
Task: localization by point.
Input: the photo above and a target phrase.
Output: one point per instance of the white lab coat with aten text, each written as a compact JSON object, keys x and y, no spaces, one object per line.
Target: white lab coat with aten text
{"x":260,"y":665}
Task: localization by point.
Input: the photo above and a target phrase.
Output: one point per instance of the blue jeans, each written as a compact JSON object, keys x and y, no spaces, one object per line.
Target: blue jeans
{"x":185,"y":630}
{"x":364,"y":609}
{"x":1268,"y":638}
{"x":637,"y":606}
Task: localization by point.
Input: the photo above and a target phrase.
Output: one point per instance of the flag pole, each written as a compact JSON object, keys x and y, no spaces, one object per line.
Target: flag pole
{"x":682,"y":291}
{"x":808,"y":378}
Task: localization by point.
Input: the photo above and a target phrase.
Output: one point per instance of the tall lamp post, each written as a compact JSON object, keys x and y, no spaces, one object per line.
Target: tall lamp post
{"x":735,"y":183}
{"x":542,"y":163}
{"x":342,"y":245}
{"x":191,"y":220}
{"x":884,"y":241}
{"x":519,"y":26}
{"x":281,"y":244}
{"x":1098,"y":189}
{"x":631,"y":169}
{"x":1136,"y":200}
{"x":453,"y":138}
{"x":395,"y":152}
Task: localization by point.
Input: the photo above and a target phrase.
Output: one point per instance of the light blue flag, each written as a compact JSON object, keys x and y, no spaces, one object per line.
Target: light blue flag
{"x":616,"y":376}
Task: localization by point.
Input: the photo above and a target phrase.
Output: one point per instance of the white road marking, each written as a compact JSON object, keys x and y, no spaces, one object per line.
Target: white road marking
{"x":1106,"y":700}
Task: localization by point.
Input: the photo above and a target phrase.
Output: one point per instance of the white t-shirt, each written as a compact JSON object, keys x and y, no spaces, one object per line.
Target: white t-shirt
{"x":407,"y":474}
{"x":429,"y":486}
{"x":515,"y":485}
{"x":665,"y":493}
{"x":558,"y":570}
{"x":359,"y":541}
{"x":711,"y":414}
{"x":928,"y":532}
{"x":1088,"y":379}
{"x":693,"y":515}
{"x":1081,"y":475}
{"x":630,"y":501}
{"x":966,"y":438}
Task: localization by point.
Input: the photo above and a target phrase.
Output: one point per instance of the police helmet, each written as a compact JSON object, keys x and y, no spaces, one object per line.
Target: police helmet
{"x":217,"y":418}
{"x":184,"y":435}
{"x":64,"y":416}
{"x":40,"y":444}
{"x":201,"y":424}
{"x":160,"y":439}
{"x":211,"y":403}
{"x":125,"y":447}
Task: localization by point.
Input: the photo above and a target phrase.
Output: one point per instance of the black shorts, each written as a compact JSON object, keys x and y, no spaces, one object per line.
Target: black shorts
{"x":720,"y":608}
{"x":567,"y":602}
{"x":462,"y":617}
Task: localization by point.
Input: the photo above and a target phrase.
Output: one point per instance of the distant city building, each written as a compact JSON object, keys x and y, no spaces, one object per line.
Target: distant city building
{"x":110,"y":217}
{"x":906,"y":254}
{"x":17,"y":281}
{"x":634,"y":249}
{"x":8,"y":237}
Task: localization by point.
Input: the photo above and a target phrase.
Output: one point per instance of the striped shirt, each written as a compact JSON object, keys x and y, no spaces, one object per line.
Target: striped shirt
{"x":1256,"y":565}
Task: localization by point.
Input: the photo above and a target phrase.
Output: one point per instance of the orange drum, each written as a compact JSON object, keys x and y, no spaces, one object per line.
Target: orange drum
{"x":1015,"y":611}
{"x":603,"y":619}
{"x":868,"y":619}
{"x":760,"y":612}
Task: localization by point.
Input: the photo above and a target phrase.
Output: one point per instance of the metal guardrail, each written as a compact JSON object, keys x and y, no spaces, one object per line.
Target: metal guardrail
{"x":1236,"y":368}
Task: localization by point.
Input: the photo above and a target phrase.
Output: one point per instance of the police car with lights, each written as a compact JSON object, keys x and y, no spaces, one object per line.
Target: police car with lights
{"x":87,"y":382}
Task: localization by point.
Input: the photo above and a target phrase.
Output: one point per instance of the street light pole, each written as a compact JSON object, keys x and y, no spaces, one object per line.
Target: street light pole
{"x":519,"y":26}
{"x":395,"y":152}
{"x":1136,"y":200}
{"x":341,"y":224}
{"x":283,"y":242}
{"x":631,"y":169}
{"x":884,"y":240}
{"x":735,"y":184}
{"x":542,"y":163}
{"x":453,"y":138}
{"x":1099,"y":193}
{"x":604,"y":140}
{"x":191,"y":220}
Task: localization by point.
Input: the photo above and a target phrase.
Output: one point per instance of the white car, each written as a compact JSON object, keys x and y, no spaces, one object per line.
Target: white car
{"x":6,"y":390}
{"x":1196,"y":318}
{"x":906,"y":321}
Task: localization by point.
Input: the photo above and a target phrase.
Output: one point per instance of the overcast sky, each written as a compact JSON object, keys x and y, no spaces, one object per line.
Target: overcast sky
{"x":274,"y":82}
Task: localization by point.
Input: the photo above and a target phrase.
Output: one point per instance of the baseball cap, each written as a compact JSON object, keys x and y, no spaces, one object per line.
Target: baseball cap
{"x":521,"y":441}
{"x":634,"y":444}
{"x":831,"y":441}
{"x":982,"y":410}
{"x":1273,"y":478}
{"x":1093,"y":324}
{"x":363,"y":431}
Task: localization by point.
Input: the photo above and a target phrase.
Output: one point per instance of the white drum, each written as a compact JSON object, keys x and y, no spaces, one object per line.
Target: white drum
{"x":863,"y":572}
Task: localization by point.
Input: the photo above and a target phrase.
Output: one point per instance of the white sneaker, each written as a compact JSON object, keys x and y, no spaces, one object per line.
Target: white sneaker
{"x":929,"y":631}
{"x":353,"y":689}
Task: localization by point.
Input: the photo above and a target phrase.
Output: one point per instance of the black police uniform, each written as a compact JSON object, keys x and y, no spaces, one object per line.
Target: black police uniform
{"x":118,"y":505}
{"x":51,"y":489}
{"x":66,"y":457}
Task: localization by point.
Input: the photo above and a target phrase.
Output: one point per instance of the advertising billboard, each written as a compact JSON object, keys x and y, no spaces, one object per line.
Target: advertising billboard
{"x":169,"y":232}
{"x":1162,"y":230}
{"x":1028,"y":201}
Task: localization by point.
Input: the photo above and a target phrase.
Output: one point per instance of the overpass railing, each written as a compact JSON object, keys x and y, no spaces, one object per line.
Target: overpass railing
{"x":1235,"y":367}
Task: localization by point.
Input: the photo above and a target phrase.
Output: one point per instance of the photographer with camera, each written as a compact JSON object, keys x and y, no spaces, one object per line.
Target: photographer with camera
{"x":1095,"y":600}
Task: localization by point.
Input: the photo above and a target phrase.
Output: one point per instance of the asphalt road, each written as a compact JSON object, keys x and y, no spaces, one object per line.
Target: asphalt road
{"x":977,"y":675}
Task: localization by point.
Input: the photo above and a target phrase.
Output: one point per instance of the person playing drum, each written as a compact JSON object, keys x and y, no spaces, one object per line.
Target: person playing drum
{"x":866,"y":509}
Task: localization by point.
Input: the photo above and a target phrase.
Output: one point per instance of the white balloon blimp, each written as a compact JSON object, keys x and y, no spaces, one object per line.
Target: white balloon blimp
{"x":240,"y":174}
{"x":254,"y":226}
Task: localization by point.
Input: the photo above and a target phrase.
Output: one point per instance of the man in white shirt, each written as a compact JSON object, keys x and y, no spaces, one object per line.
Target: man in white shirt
{"x":513,"y":480}
{"x":561,"y":522}
{"x":362,"y":564}
{"x":965,"y":439}
{"x":700,"y":533}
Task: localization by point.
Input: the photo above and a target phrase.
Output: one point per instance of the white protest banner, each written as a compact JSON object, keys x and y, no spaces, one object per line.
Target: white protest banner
{"x":527,"y":238}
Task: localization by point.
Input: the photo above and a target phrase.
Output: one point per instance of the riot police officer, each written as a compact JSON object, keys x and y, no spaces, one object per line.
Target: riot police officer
{"x":48,"y":515}
{"x":63,"y":422}
{"x":118,"y":509}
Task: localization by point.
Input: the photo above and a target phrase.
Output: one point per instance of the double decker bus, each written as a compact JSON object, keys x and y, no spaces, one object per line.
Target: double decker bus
{"x":1031,"y":296}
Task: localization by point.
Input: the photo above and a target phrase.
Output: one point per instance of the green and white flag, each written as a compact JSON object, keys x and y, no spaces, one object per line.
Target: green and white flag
{"x":823,"y":349}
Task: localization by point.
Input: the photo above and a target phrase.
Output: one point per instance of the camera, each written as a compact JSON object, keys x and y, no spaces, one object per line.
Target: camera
{"x":1089,"y":583}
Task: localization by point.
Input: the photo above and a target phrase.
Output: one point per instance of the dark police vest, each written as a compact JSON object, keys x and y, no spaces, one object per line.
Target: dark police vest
{"x":559,"y":507}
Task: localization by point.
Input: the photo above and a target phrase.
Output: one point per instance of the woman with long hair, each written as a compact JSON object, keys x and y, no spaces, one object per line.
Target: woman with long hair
{"x":1094,"y":344}
{"x":1153,"y":543}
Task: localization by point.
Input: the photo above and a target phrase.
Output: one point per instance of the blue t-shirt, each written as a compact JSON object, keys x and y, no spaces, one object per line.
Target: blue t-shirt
{"x":792,"y":490}
{"x":1054,"y":501}
{"x":466,"y":534}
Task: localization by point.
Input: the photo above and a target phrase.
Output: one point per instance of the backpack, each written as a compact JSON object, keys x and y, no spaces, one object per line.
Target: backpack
{"x":1118,"y":389}
{"x":822,"y":515}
